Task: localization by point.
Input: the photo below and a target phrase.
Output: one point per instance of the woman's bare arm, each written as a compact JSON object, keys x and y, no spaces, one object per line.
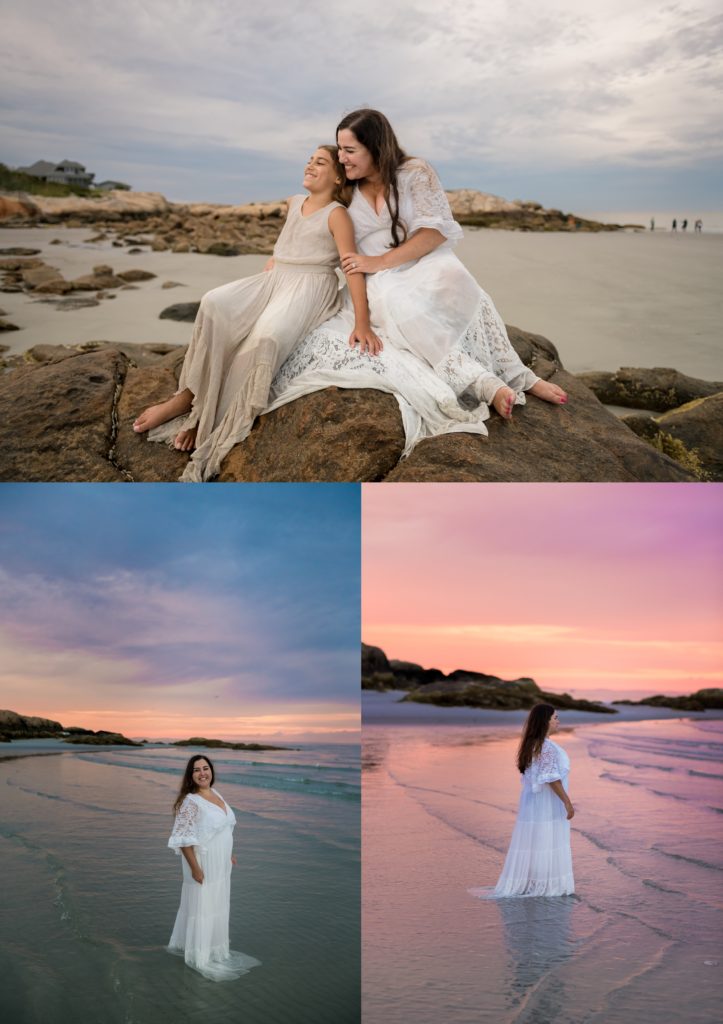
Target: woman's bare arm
{"x":421,"y":243}
{"x":189,"y":853}
{"x":559,"y":790}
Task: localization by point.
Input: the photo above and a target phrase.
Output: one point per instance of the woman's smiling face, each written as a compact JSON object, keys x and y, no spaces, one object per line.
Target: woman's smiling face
{"x":202,"y":774}
{"x":355,"y":158}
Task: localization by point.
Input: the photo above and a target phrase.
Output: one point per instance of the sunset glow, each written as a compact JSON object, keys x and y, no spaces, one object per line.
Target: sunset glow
{"x":603,"y":589}
{"x":164,"y":612}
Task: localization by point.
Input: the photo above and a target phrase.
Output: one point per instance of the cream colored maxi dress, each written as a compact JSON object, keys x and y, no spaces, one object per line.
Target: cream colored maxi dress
{"x":200,"y":934}
{"x":443,"y":337}
{"x":245,"y":330}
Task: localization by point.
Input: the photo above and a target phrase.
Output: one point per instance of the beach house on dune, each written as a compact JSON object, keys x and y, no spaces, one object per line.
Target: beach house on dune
{"x":67,"y":172}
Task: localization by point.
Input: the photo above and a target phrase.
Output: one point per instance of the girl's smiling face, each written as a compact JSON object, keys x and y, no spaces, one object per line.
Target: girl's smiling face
{"x":356,"y":159}
{"x":320,"y":174}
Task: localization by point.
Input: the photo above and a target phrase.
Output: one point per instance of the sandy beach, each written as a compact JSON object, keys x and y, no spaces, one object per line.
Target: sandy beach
{"x":638,"y":941}
{"x":605,"y":300}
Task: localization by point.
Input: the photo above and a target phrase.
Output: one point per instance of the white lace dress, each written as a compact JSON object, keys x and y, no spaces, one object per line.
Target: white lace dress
{"x":245,"y":330}
{"x":442,"y":335}
{"x":539,"y":860}
{"x":200,"y":934}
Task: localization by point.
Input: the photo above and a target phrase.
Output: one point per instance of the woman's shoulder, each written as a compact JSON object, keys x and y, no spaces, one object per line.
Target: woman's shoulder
{"x":416,"y":167}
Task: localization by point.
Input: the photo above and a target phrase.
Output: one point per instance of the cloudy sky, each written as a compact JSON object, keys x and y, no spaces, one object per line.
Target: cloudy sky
{"x":603,"y":590}
{"x":574,"y":103}
{"x":167,"y":612}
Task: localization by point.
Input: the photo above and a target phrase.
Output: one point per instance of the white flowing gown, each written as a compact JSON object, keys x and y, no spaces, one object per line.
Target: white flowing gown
{"x":200,"y":934}
{"x":442,"y":335}
{"x":539,"y":860}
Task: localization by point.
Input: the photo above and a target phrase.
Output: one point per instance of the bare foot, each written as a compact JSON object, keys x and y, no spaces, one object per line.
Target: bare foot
{"x":548,"y":392}
{"x":185,"y":440}
{"x":154,"y":415}
{"x":504,"y":401}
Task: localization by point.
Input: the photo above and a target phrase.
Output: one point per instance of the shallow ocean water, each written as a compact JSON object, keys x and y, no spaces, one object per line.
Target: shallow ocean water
{"x":89,"y":890}
{"x":640,"y":940}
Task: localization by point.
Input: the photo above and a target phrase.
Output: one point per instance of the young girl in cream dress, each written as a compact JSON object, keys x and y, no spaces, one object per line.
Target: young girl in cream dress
{"x":245,"y":330}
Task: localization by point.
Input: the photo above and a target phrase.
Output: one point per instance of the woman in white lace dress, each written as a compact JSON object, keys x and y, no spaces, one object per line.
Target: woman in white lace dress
{"x":442,"y":335}
{"x":203,"y":834}
{"x":539,"y":860}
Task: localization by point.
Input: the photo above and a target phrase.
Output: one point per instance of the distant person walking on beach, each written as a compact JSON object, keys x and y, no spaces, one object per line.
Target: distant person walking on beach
{"x":652,"y":223}
{"x":203,"y":834}
{"x":245,"y":330}
{"x":675,"y":225}
{"x":684,"y":225}
{"x":539,"y":860}
{"x":698,"y":226}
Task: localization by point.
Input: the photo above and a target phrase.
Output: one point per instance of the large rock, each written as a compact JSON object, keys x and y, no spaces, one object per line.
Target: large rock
{"x":658,"y":388}
{"x":58,"y":419}
{"x":332,"y":435}
{"x":69,"y":417}
{"x":184,"y":312}
{"x":691,"y":434}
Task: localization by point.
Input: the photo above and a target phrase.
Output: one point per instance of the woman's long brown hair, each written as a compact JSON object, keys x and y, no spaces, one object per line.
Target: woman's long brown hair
{"x":187,"y":783}
{"x":343,"y":191}
{"x":533,"y":735}
{"x":375,"y":133}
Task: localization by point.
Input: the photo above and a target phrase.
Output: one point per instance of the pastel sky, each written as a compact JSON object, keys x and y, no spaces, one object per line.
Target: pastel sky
{"x":604,"y":589}
{"x":573,"y":103}
{"x":164,"y":611}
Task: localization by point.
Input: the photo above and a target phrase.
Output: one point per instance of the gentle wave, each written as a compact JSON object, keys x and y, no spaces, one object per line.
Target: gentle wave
{"x":256,"y":780}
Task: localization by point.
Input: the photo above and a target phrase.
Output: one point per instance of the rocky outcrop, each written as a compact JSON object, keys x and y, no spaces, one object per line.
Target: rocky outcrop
{"x":659,"y":388}
{"x":461,"y":688}
{"x":701,"y":700}
{"x":36,"y":277}
{"x":67,"y":413}
{"x":481,"y":209}
{"x":26,"y":727}
{"x":199,"y":741}
{"x":689,"y":429}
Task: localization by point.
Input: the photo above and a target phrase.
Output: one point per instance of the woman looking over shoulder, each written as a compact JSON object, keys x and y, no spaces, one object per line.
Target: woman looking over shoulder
{"x":539,"y":860}
{"x":423,"y":302}
{"x":203,"y":834}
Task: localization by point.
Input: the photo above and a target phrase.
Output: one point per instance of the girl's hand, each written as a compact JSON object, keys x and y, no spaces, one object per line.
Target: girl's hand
{"x":570,"y":810}
{"x":269,"y":264}
{"x":197,"y":875}
{"x":353,"y":263}
{"x":368,"y":341}
{"x":233,"y":860}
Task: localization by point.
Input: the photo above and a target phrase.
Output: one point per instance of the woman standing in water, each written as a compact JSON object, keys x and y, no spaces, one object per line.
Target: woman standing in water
{"x":539,"y":860}
{"x":203,"y":834}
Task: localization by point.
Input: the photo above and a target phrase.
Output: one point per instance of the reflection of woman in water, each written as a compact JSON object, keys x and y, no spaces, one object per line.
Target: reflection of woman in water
{"x":203,"y":833}
{"x":539,"y":861}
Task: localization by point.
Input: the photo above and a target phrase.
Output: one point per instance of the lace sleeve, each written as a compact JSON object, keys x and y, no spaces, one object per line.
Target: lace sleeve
{"x":546,"y":768}
{"x":430,"y":206}
{"x":185,"y":827}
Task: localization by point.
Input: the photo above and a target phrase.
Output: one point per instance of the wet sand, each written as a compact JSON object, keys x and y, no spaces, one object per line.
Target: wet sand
{"x":639,"y":941}
{"x":605,"y":300}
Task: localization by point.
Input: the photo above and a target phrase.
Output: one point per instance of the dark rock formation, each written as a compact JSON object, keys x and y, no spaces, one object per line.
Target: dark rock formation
{"x":461,"y":688}
{"x":691,"y":434}
{"x":26,"y":727}
{"x":68,"y":413}
{"x":701,"y":700}
{"x":184,"y":312}
{"x":200,"y":741}
{"x":659,"y":388}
